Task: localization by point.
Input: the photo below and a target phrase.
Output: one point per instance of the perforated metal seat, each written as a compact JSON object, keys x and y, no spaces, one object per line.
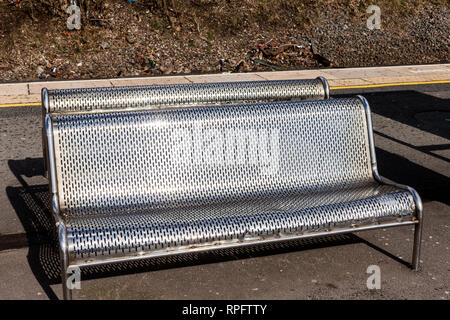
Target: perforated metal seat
{"x":147,"y":230}
{"x":135,"y":184}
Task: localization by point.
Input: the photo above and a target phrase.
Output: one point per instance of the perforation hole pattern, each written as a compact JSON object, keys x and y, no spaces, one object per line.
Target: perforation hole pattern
{"x":91,"y":99}
{"x":291,"y":166}
{"x":143,"y":231}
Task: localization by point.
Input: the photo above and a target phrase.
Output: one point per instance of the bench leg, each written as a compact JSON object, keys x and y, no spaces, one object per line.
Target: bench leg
{"x":67,"y":292}
{"x":417,"y":244}
{"x":45,"y":154}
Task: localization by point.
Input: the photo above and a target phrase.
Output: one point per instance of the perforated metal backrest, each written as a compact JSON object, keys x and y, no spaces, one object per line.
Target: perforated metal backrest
{"x":111,"y":162}
{"x":91,"y":99}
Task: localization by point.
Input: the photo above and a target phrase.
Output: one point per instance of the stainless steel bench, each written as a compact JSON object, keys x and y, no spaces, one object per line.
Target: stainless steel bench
{"x":177,"y":95}
{"x":146,"y":183}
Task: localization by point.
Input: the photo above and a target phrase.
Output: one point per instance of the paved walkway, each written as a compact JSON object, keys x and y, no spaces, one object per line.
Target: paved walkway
{"x":412,"y":144}
{"x":29,"y":92}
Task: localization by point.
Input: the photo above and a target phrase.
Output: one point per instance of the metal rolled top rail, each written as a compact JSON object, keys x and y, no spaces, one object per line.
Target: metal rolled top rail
{"x":182,"y":95}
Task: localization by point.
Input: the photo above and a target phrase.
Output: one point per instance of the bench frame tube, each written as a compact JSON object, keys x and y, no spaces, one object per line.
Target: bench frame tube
{"x":60,"y":226}
{"x":419,"y":206}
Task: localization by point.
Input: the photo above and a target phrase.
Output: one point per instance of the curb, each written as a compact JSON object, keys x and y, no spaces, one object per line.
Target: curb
{"x":28,"y":93}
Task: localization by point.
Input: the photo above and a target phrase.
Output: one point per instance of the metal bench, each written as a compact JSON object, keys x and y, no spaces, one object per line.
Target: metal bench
{"x":177,"y":95}
{"x":139,"y":184}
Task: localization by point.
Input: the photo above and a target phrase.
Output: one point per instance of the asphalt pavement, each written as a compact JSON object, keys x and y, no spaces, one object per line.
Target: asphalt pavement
{"x":412,"y":138}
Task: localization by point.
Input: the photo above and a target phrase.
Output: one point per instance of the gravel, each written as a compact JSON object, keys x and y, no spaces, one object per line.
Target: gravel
{"x":403,"y":40}
{"x":127,"y":41}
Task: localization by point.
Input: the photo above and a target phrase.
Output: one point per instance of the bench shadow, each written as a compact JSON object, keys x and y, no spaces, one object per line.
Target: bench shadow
{"x":32,"y":205}
{"x":404,"y":106}
{"x":430,"y":185}
{"x":408,"y":107}
{"x":383,"y":251}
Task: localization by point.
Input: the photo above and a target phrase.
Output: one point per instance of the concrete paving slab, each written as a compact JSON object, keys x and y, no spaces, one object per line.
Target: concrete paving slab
{"x":291,"y":75}
{"x":409,"y":78}
{"x":224,"y":77}
{"x":19,"y":99}
{"x":427,"y":68}
{"x":149,"y":81}
{"x":13,"y":89}
{"x":17,"y":280}
{"x":36,"y":87}
{"x":351,"y":73}
{"x":347,"y":82}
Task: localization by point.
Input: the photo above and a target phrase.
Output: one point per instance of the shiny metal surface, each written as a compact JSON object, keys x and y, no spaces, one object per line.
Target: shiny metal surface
{"x":326,"y":87}
{"x":60,"y":225}
{"x":179,"y":95}
{"x":133,"y":233}
{"x":251,"y":173}
{"x":130,"y":159}
{"x":144,"y":97}
{"x":242,"y":243}
{"x":417,"y":200}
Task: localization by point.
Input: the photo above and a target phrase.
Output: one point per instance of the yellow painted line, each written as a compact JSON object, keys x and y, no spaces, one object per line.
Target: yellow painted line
{"x":389,"y":84}
{"x":12,"y":105}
